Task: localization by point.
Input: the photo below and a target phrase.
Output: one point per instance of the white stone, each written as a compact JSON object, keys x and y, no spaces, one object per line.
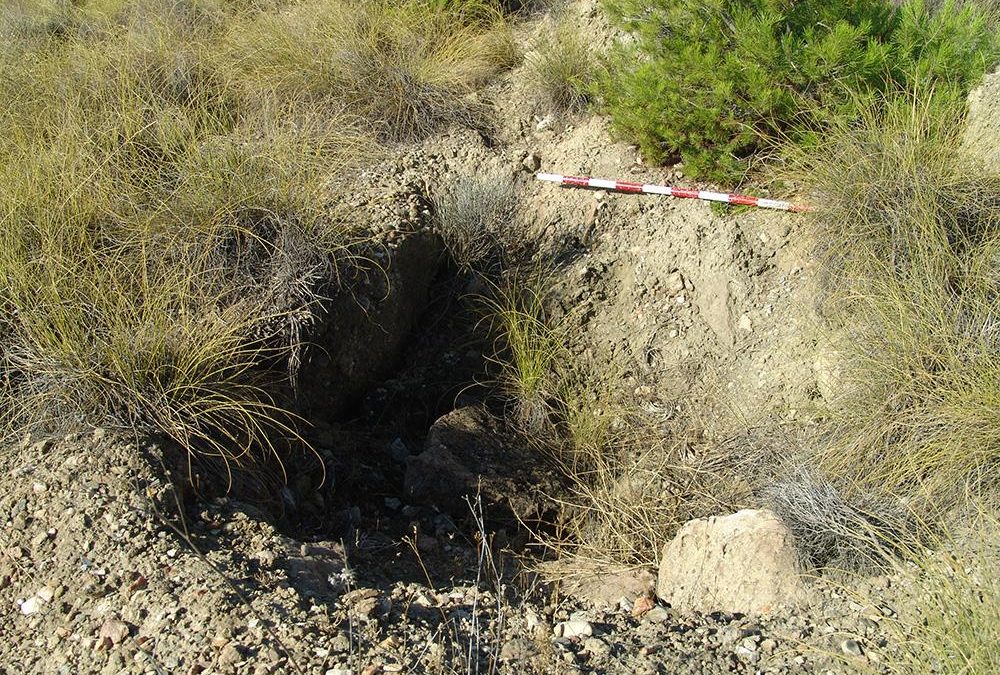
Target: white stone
{"x":744,"y":562}
{"x":572,"y":629}
{"x":32,"y":605}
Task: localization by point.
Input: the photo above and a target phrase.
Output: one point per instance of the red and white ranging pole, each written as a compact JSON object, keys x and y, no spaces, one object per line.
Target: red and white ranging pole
{"x":625,"y":186}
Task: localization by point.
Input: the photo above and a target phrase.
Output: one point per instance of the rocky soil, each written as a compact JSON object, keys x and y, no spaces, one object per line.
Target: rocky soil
{"x":393,"y":564}
{"x":99,"y":573}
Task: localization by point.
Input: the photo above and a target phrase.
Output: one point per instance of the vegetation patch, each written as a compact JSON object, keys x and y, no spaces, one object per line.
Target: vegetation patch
{"x":165,"y":216}
{"x":948,"y":615}
{"x":406,"y":68}
{"x":910,"y":231}
{"x":476,"y":219}
{"x":562,"y":68}
{"x":714,"y":82}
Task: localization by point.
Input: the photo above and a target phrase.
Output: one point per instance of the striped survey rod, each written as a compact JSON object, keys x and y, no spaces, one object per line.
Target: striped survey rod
{"x":626,"y":186}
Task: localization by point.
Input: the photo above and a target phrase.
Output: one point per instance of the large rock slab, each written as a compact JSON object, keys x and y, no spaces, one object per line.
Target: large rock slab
{"x":742,"y":563}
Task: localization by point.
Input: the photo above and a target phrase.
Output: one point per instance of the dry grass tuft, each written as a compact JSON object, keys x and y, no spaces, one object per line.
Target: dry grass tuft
{"x":949,"y":605}
{"x":160,"y":234}
{"x":562,"y":68}
{"x":631,"y":478}
{"x":527,"y":349}
{"x":831,"y":530}
{"x":407,"y":68}
{"x":910,"y":226}
{"x":476,"y":217}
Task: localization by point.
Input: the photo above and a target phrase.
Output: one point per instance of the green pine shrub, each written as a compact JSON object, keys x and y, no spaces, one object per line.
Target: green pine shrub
{"x":714,"y":82}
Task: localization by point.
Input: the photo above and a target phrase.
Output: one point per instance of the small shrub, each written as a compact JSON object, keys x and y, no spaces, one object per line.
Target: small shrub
{"x":712,"y":82}
{"x":562,"y":68}
{"x":476,"y":218}
{"x":856,"y":533}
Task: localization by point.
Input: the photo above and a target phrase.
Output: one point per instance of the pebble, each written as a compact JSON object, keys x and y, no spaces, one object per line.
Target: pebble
{"x":545,"y":123}
{"x":571,"y":629}
{"x":532,"y":163}
{"x":596,"y":646}
{"x":398,"y":450}
{"x":340,"y":644}
{"x":531,"y":620}
{"x":852,"y":647}
{"x":31,"y":606}
{"x":230,"y":655}
{"x":657,"y":615}
{"x":112,"y":633}
{"x":267,"y":559}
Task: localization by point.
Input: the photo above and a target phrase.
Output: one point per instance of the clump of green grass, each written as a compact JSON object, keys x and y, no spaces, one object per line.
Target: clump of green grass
{"x":909,"y":225}
{"x":528,"y":347}
{"x":562,"y":68}
{"x":716,"y":83}
{"x":405,"y":67}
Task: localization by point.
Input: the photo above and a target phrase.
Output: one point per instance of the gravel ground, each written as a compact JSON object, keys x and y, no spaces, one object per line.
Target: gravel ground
{"x":97,"y":576}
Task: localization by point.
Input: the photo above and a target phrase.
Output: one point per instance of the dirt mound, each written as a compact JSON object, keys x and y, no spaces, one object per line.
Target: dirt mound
{"x":983,"y":132}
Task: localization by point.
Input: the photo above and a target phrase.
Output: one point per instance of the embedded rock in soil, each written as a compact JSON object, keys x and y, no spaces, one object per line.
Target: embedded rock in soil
{"x":362,"y":334}
{"x":318,"y":569}
{"x":467,"y":453}
{"x":604,"y":590}
{"x":743,"y":563}
{"x":436,"y":477}
{"x":713,"y":302}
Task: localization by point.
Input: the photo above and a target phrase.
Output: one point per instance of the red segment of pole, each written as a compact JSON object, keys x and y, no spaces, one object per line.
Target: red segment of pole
{"x":625,"y":186}
{"x":743,"y":200}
